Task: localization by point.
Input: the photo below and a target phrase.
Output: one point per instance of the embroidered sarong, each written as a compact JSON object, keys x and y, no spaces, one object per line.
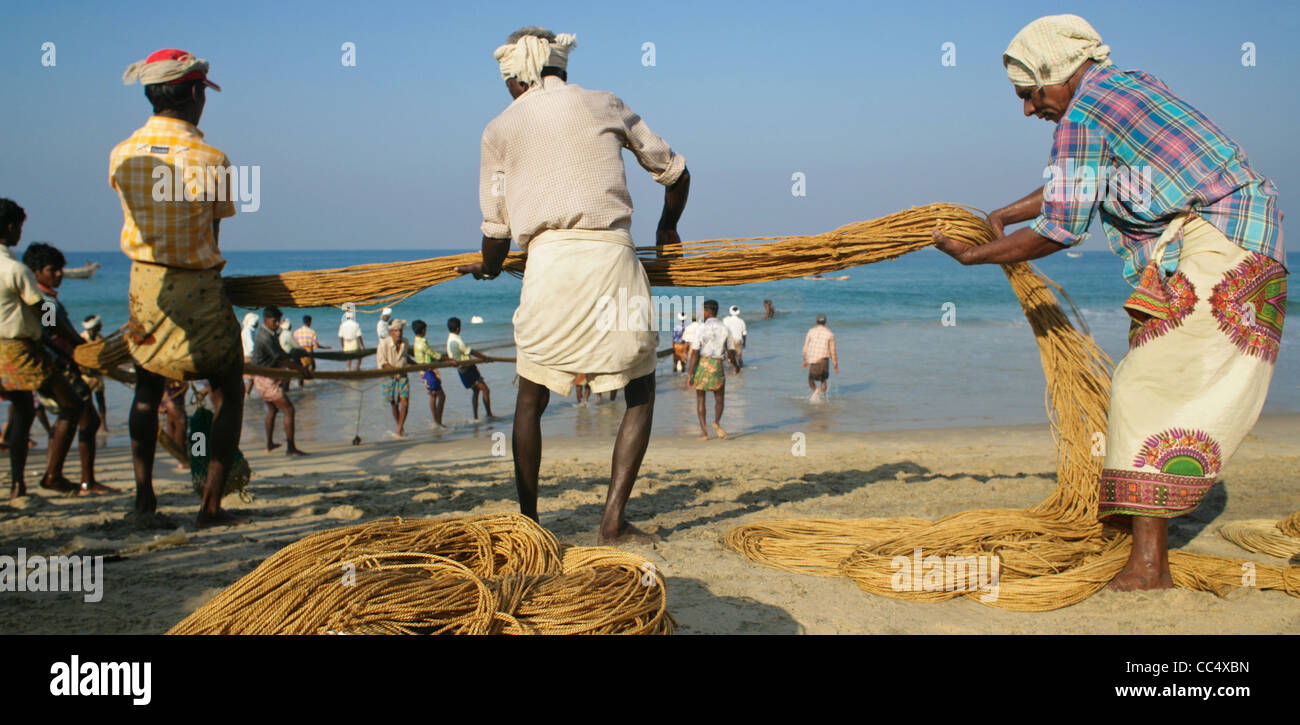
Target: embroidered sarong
{"x":1196,"y":374}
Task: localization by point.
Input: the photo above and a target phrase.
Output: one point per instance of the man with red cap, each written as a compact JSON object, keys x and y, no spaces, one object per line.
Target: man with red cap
{"x":175,"y":190}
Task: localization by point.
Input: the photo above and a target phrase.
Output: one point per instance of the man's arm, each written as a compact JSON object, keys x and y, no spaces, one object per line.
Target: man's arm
{"x":1065,"y":210}
{"x":675,"y":196}
{"x":1021,"y":245}
{"x":835,"y":358}
{"x":1020,"y":210}
{"x":494,"y":255}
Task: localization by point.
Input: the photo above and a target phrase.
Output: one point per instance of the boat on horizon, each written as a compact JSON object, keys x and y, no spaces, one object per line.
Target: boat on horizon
{"x":83,"y":272}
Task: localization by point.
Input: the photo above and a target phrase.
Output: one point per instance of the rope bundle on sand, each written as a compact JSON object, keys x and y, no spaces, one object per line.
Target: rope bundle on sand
{"x":490,"y":574}
{"x":1275,"y":538}
{"x":1051,"y":555}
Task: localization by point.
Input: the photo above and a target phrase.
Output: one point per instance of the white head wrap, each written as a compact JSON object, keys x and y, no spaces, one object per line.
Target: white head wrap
{"x":525,"y":58}
{"x":250,"y":320}
{"x":1049,"y":50}
{"x":735,"y":310}
{"x":91,"y":322}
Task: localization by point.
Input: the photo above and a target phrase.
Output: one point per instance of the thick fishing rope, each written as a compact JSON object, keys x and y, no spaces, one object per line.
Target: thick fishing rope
{"x":488,"y":574}
{"x":1275,"y":538}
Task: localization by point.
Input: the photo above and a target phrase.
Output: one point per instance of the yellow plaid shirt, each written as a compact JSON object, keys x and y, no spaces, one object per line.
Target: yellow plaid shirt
{"x":172,"y":187}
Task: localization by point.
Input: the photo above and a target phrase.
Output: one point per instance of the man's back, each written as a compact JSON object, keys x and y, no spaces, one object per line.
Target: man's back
{"x":553,"y":160}
{"x":736,"y":326}
{"x":176,"y":229}
{"x":266,"y":347}
{"x":713,"y":339}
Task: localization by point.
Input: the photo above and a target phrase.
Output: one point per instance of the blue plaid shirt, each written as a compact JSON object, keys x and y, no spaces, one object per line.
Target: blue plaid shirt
{"x":1158,"y":157}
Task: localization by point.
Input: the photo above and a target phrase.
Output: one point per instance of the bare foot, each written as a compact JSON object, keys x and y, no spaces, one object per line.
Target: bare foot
{"x":94,"y":488}
{"x":703,"y":436}
{"x":60,"y":484}
{"x":294,"y":452}
{"x":221,"y":518}
{"x":1141,"y":574}
{"x":721,"y":433}
{"x":16,"y":493}
{"x":271,"y":446}
{"x":628,"y":534}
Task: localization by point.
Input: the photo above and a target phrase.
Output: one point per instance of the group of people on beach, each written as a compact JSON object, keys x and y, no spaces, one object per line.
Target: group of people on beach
{"x":1205,"y":257}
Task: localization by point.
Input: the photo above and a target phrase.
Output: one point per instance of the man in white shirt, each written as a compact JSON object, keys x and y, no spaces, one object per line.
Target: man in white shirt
{"x":350,"y":339}
{"x":711,"y":343}
{"x":26,"y":366}
{"x":552,"y":178}
{"x":470,"y":377}
{"x":738,"y":330}
{"x":381,"y":327}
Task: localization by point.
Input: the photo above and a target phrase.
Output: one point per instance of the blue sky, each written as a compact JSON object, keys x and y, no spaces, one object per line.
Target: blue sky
{"x":385,"y":154}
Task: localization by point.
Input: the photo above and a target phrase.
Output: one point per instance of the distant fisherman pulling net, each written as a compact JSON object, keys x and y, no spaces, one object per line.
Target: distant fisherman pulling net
{"x":552,"y":179}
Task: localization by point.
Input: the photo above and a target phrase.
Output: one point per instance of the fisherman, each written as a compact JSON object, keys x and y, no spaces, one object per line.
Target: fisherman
{"x":1202,"y":248}
{"x":181,"y":324}
{"x":26,"y":366}
{"x":552,"y":178}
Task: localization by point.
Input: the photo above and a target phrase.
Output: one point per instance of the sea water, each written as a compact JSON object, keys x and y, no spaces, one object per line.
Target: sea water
{"x":900,"y":365}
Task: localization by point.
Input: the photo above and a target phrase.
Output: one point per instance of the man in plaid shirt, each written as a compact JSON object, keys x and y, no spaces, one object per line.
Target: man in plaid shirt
{"x":181,"y":326}
{"x":819,"y":355}
{"x":1202,"y":242}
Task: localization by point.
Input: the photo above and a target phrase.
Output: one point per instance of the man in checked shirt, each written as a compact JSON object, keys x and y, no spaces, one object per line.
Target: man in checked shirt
{"x":181,"y":326}
{"x":1202,"y":246}
{"x":819,"y":355}
{"x":552,"y":178}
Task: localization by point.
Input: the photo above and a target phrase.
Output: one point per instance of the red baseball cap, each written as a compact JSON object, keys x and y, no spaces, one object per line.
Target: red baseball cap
{"x":182,"y":55}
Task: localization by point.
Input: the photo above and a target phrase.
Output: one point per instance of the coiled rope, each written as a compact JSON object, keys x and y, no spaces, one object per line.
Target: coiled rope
{"x":1275,"y":538}
{"x":490,"y":574}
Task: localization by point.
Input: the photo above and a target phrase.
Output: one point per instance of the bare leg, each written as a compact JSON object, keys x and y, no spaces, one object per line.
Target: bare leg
{"x":271,"y":410}
{"x":87,"y":429}
{"x":65,"y":428}
{"x":223,"y":442}
{"x":436,"y":404}
{"x":719,"y":396}
{"x":473,"y":396}
{"x":629,"y":450}
{"x":143,"y":425}
{"x":526,"y":443}
{"x":290,"y":413}
{"x":701,"y":402}
{"x":1148,"y":562}
{"x":487,"y":399}
{"x":17,"y":431}
{"x":402,"y":408}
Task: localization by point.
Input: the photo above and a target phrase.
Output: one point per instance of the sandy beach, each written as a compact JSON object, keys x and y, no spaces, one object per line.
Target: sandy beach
{"x":691,"y":492}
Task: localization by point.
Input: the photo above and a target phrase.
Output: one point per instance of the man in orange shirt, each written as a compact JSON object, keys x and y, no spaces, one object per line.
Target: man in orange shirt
{"x":175,"y":189}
